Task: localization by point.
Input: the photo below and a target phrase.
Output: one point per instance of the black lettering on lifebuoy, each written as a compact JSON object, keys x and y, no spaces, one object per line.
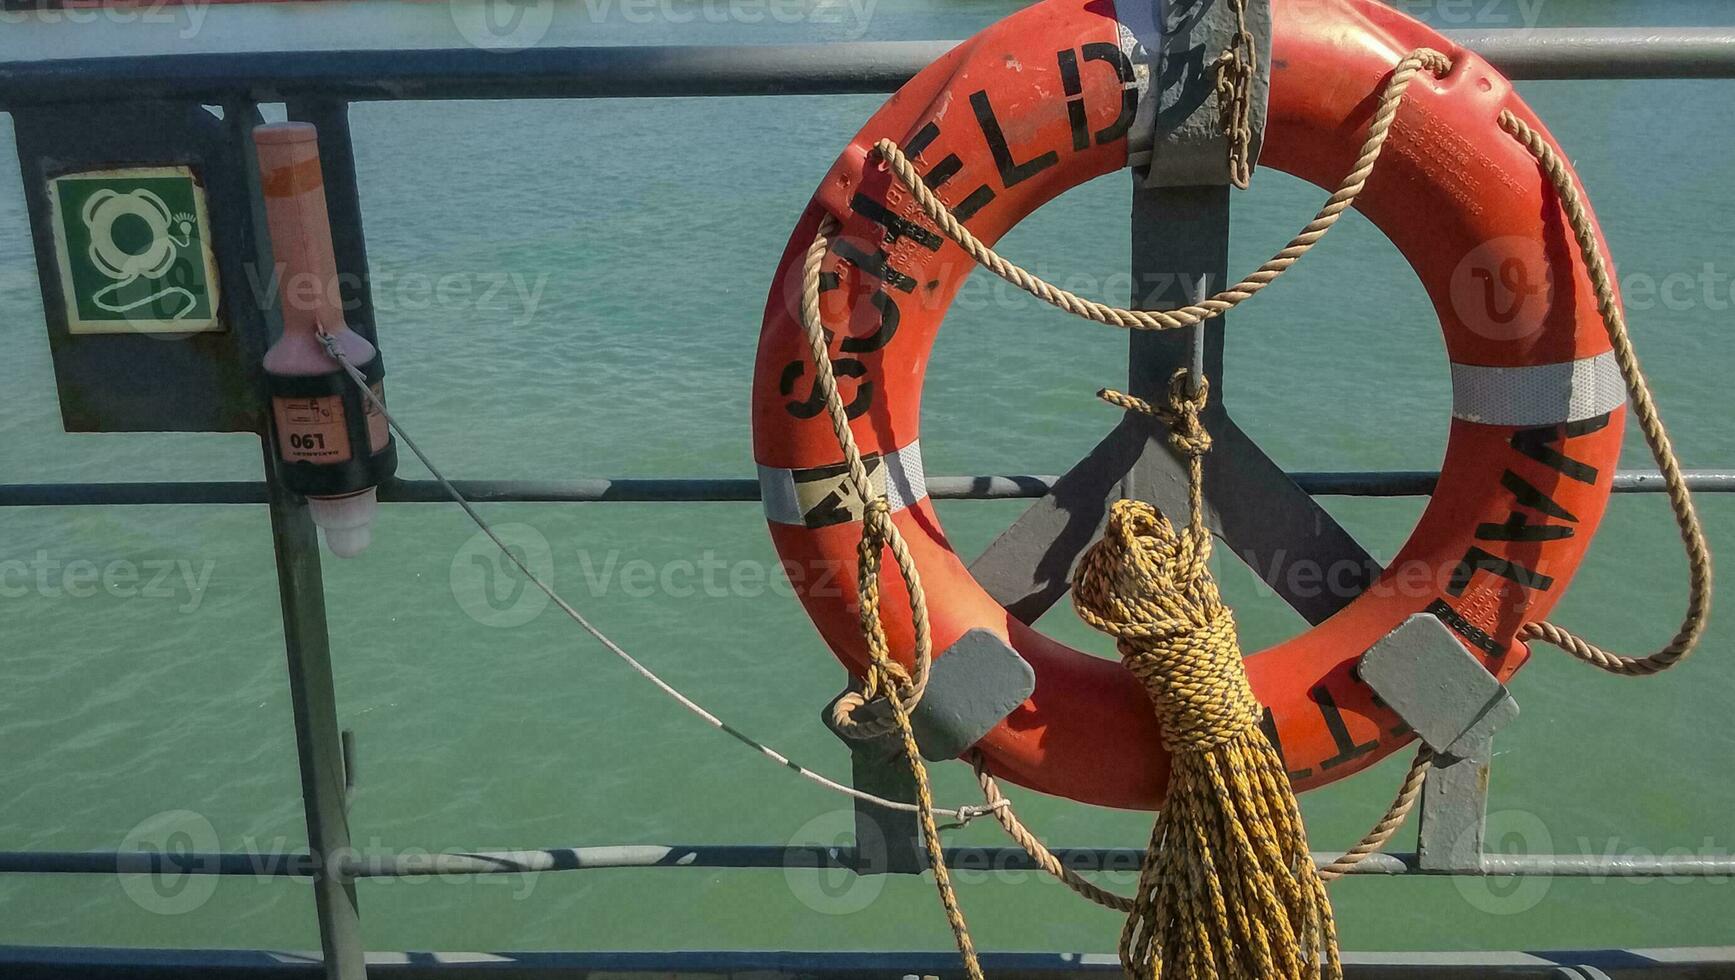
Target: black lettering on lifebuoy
{"x":1477,"y":560}
{"x":923,"y":138}
{"x":792,"y":373}
{"x":1012,"y":173}
{"x":1517,"y":527}
{"x":895,"y":226}
{"x":1479,"y":638}
{"x":1538,"y":444}
{"x":843,"y":367}
{"x":1529,"y":496}
{"x":1348,"y":749}
{"x":943,"y":171}
{"x":1074,"y":88}
{"x":877,"y":265}
{"x":832,"y":509}
{"x":979,"y":198}
{"x":890,"y":316}
{"x":1268,"y":725}
{"x":826,"y":495}
{"x":1111,"y":53}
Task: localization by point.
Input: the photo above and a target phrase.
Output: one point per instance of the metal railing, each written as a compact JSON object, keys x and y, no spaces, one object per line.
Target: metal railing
{"x":318,"y":88}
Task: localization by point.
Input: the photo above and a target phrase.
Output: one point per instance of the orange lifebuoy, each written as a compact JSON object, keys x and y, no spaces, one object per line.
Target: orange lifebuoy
{"x":1042,"y":102}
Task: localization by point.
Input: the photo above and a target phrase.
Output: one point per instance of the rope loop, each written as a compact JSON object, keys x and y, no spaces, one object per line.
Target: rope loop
{"x":1228,"y":849}
{"x":1145,"y":584}
{"x":884,"y":677}
{"x":1187,"y":400}
{"x":1644,"y":408}
{"x":1379,"y":128}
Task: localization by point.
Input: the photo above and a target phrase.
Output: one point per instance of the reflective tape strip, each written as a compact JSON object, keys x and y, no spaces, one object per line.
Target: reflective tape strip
{"x":777,"y":493}
{"x":821,"y":496}
{"x":1541,"y":394}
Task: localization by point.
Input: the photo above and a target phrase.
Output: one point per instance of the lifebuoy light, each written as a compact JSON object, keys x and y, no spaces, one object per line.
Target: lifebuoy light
{"x":333,"y":446}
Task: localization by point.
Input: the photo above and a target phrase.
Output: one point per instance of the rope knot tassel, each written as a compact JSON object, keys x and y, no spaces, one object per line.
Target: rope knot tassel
{"x":1228,"y":888}
{"x":1146,"y":584}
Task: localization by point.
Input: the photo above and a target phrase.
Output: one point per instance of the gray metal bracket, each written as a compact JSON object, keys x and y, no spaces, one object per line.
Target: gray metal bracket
{"x":1451,"y":828}
{"x":1177,"y":137}
{"x":973,"y":685}
{"x":1421,"y":671}
{"x":1180,"y":236}
{"x":886,"y":841}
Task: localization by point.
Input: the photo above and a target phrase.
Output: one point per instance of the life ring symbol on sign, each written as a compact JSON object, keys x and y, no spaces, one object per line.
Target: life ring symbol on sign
{"x":1016,"y":116}
{"x":169,"y":233}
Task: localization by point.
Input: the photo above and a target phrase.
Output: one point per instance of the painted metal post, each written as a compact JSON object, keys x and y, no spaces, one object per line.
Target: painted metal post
{"x":318,"y":740}
{"x":1451,"y":823}
{"x":307,"y":642}
{"x":1180,"y":237}
{"x":1422,"y":671}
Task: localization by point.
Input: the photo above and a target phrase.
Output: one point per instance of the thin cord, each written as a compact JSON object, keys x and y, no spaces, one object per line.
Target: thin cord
{"x":962,"y":813}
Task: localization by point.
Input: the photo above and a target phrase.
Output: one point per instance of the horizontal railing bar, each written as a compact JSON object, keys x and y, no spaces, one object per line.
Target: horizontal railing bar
{"x":83,"y":962}
{"x":1372,"y":483}
{"x":983,"y":859}
{"x":1573,"y":53}
{"x":710,"y":70}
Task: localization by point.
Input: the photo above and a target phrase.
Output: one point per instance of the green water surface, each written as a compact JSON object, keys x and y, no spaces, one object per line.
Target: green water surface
{"x":130,"y":713}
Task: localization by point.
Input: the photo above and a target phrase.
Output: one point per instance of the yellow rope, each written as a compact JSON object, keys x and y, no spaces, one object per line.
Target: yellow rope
{"x":1000,"y":807}
{"x":1045,"y":859}
{"x":1228,"y":887}
{"x":1377,"y":838}
{"x":887,"y":678}
{"x":1650,"y":423}
{"x":884,"y":677}
{"x":826,"y":383}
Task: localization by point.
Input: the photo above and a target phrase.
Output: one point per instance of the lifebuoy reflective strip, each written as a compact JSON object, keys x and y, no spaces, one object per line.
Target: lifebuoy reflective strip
{"x":1540,"y":394}
{"x":1040,"y":103}
{"x":821,"y":496}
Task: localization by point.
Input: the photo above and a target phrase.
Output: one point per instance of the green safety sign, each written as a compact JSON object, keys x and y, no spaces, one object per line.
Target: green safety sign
{"x":135,"y":251}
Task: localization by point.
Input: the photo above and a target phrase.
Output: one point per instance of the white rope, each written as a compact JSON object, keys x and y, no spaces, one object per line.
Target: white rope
{"x":963,"y":813}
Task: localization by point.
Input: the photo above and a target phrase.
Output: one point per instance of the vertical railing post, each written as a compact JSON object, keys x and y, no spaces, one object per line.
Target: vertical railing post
{"x":343,"y":202}
{"x":1180,"y":238}
{"x":1452,"y":822}
{"x":318,"y":739}
{"x":306,"y":639}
